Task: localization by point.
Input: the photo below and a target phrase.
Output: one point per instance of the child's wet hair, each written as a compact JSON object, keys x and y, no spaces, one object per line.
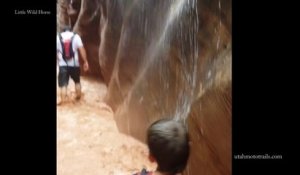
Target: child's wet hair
{"x":168,"y":142}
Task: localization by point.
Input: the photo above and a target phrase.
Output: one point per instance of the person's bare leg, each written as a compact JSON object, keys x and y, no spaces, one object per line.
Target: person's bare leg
{"x":63,"y":95}
{"x":78,"y":91}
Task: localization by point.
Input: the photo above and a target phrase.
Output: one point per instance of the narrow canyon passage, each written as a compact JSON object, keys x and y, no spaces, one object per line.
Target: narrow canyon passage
{"x":88,"y":141}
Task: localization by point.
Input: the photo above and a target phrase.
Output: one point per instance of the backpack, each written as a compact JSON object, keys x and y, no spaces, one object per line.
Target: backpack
{"x":144,"y":172}
{"x":67,"y":47}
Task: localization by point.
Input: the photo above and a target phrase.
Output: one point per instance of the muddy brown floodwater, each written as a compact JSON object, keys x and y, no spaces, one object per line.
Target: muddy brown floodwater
{"x":88,"y":141}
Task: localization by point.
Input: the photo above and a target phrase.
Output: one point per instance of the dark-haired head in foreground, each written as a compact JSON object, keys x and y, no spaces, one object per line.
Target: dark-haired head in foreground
{"x":168,"y":143}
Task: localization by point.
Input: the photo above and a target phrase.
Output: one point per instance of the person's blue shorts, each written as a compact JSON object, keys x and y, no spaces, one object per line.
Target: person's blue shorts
{"x":65,"y":72}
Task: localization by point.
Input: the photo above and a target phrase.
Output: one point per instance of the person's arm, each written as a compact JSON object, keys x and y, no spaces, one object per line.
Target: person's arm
{"x":57,"y":58}
{"x":57,"y":48}
{"x":83,"y":56}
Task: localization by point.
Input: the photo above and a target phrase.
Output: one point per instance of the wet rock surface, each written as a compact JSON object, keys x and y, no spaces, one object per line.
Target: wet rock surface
{"x":166,"y":59}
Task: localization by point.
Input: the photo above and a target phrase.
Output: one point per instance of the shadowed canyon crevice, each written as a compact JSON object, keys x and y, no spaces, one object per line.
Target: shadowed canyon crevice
{"x":163,"y":58}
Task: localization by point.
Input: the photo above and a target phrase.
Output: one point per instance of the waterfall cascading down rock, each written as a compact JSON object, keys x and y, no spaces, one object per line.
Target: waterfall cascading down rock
{"x":169,"y":58}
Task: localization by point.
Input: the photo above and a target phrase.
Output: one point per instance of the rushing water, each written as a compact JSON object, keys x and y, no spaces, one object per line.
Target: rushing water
{"x":177,"y":21}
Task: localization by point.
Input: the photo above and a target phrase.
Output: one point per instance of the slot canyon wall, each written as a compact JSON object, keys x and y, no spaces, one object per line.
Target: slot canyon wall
{"x":163,"y":58}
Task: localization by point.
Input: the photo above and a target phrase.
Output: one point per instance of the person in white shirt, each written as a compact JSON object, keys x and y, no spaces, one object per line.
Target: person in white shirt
{"x":69,"y":45}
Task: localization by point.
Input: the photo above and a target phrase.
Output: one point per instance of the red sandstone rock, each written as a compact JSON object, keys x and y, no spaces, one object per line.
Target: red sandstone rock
{"x":162,"y":59}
